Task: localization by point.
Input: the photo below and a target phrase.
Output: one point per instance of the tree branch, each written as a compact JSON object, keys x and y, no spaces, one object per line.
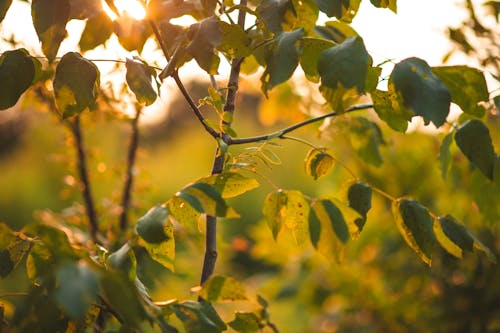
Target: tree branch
{"x":129,"y":177}
{"x":279,"y":134}
{"x":84,"y":178}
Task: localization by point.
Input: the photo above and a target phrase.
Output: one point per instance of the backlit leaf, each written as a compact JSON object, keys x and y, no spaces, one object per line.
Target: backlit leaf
{"x":415,"y":225}
{"x":391,"y":4}
{"x":77,"y":289}
{"x":139,"y":79}
{"x":204,"y":37}
{"x":344,"y":10}
{"x":199,"y":317}
{"x":283,"y":60}
{"x":13,"y":249}
{"x":49,"y":19}
{"x":222,"y":288}
{"x":83,"y":9}
{"x":445,"y":155}
{"x":474,"y":140}
{"x":183,"y":212}
{"x":467,"y":87}
{"x":17,"y":72}
{"x":336,"y":31}
{"x":245,"y":322}
{"x":164,"y":252}
{"x":359,"y":196}
{"x":205,"y":198}
{"x":97,"y":31}
{"x":390,"y":109}
{"x":231,"y":184}
{"x":318,"y":162}
{"x":123,"y":260}
{"x":151,"y":226}
{"x":366,"y":138}
{"x":235,"y":42}
{"x":346,"y":63}
{"x":272,"y":12}
{"x":4,"y":7}
{"x":132,"y":34}
{"x":311,"y":49}
{"x":75,"y":84}
{"x":422,"y":91}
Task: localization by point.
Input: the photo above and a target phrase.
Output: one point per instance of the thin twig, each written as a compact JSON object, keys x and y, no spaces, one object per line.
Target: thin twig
{"x":281,"y":133}
{"x":129,"y":176}
{"x":84,"y":178}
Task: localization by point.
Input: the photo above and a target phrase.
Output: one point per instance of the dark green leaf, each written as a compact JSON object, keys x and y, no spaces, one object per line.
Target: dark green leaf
{"x":496,"y":101}
{"x":344,"y":10}
{"x":199,"y":317}
{"x":97,"y":31}
{"x":283,"y":60}
{"x":231,"y":184}
{"x":49,"y":19}
{"x":366,"y":138}
{"x":444,"y":154}
{"x":151,"y":226}
{"x":4,"y":7}
{"x":474,"y":140}
{"x":245,"y":322}
{"x":6,"y":263}
{"x":272,"y":12}
{"x":391,"y":4}
{"x":346,"y":63}
{"x":39,"y":263}
{"x":415,"y":224}
{"x":124,"y":260}
{"x":164,"y":252}
{"x":75,"y":84}
{"x":318,"y":162}
{"x":336,"y":31}
{"x":83,"y":9}
{"x":311,"y":49}
{"x":53,"y":239}
{"x":205,"y":198}
{"x":314,"y":228}
{"x":77,"y":289}
{"x":139,"y":79}
{"x":222,"y":288}
{"x":467,"y":87}
{"x":359,"y":196}
{"x":204,"y":37}
{"x":422,"y":90}
{"x":389,"y":108}
{"x":132,"y":34}
{"x":17,"y":72}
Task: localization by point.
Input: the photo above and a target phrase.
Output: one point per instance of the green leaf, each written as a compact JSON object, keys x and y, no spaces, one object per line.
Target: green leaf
{"x":97,"y":31}
{"x":359,"y":196}
{"x":388,"y":106}
{"x":151,"y":226}
{"x":205,"y":198}
{"x":231,"y":184}
{"x":311,"y":49}
{"x":77,"y":288}
{"x":467,"y":87}
{"x":132,"y":34}
{"x":139,"y":79}
{"x":204,"y":37}
{"x":272,"y":13}
{"x":283,"y":59}
{"x":391,"y":4}
{"x":4,"y":7}
{"x":415,"y":224}
{"x":474,"y":140}
{"x":344,"y":10}
{"x":318,"y":162}
{"x":124,"y":260}
{"x":17,"y":72}
{"x":183,"y":212}
{"x":39,"y":263}
{"x":366,"y":138}
{"x":372,"y":78}
{"x":346,"y":63}
{"x":336,"y":31}
{"x":164,"y":252}
{"x":49,"y":19}
{"x":245,"y":322}
{"x":54,"y":240}
{"x":235,"y":41}
{"x":199,"y":317}
{"x":496,"y":102}
{"x":445,"y":155}
{"x":75,"y":84}
{"x":13,"y":249}
{"x":222,"y":288}
{"x":287,"y":209}
{"x":422,"y":90}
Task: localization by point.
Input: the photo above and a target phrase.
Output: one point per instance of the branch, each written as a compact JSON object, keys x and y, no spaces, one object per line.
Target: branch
{"x":281,"y":133}
{"x":129,"y":177}
{"x":84,"y":178}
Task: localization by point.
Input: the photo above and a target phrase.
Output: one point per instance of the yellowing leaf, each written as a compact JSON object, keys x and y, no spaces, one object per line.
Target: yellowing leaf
{"x":231,"y":184}
{"x":318,"y":162}
{"x":222,"y":288}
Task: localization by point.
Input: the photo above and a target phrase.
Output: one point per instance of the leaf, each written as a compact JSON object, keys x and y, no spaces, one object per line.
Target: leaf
{"x":204,"y":37}
{"x":415,"y":224}
{"x":474,"y":140}
{"x":231,"y":184}
{"x":124,"y":260}
{"x":272,"y":13}
{"x":199,"y":317}
{"x":222,"y":288}
{"x":318,"y":162}
{"x":164,"y":252}
{"x":388,"y":106}
{"x":283,"y":60}
{"x":17,"y":72}
{"x":13,"y":249}
{"x":336,"y":31}
{"x":359,"y":196}
{"x":205,"y":198}
{"x":77,"y":288}
{"x":132,"y":34}
{"x":302,"y":14}
{"x":75,"y":84}
{"x":346,"y":63}
{"x":235,"y":41}
{"x":444,"y":154}
{"x":391,"y":4}
{"x":183,"y":212}
{"x":311,"y":49}
{"x":139,"y":77}
{"x":287,"y":209}
{"x":49,"y":19}
{"x":245,"y":322}
{"x":372,"y":77}
{"x":4,"y":7}
{"x":344,"y":10}
{"x":97,"y":31}
{"x":422,"y":91}
{"x":84,"y":9}
{"x":366,"y":138}
{"x":467,"y":87}
{"x":151,"y":226}
{"x":54,"y":240}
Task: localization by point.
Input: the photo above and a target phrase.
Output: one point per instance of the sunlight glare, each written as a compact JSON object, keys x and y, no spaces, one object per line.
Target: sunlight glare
{"x":133,"y":8}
